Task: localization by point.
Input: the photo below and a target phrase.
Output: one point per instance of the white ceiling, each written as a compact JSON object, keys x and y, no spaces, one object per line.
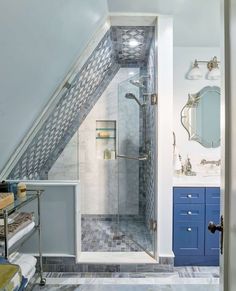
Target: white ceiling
{"x":196,"y":22}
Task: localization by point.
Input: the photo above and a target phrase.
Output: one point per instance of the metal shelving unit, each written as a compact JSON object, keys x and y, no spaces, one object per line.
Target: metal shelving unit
{"x":7,"y":211}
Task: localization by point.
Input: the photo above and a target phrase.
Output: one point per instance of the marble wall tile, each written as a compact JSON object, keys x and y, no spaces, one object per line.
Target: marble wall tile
{"x":101,"y":179}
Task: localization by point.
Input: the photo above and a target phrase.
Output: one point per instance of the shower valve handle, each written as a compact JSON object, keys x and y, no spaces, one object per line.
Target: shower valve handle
{"x":140,"y":158}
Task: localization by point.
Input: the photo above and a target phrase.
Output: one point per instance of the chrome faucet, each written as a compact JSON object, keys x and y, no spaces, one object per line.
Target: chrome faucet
{"x":205,"y":162}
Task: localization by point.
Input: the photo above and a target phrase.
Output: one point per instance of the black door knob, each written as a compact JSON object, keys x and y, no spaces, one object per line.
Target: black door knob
{"x":212,"y":227}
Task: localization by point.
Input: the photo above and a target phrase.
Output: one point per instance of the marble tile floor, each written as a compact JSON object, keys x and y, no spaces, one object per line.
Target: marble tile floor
{"x":182,"y":279}
{"x":98,"y":233}
{"x":118,"y":287}
{"x":179,"y":272}
{"x":189,"y":284}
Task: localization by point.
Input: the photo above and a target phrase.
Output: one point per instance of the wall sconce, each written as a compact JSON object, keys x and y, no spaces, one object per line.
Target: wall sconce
{"x":213,"y":70}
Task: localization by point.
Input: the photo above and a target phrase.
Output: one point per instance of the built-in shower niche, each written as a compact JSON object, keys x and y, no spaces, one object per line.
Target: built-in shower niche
{"x":106,"y":139}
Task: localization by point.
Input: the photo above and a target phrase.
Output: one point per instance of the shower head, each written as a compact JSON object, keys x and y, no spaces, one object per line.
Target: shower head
{"x":137,"y":83}
{"x":132,"y":96}
{"x":140,"y":81}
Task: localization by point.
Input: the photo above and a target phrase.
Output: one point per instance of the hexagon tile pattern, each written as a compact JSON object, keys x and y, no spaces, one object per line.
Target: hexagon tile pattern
{"x":86,"y":88}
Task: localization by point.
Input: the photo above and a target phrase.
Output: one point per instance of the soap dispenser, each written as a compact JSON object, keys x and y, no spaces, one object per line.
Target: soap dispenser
{"x":188,"y":168}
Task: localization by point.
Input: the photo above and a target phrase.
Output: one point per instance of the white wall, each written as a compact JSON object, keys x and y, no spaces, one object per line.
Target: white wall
{"x":164,"y":111}
{"x":183,"y":57}
{"x":39,"y":42}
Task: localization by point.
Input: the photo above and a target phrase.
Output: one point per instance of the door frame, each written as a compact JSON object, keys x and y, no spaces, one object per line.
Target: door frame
{"x":228,"y":111}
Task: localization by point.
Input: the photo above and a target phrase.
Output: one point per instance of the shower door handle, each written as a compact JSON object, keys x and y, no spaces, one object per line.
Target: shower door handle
{"x":140,"y":158}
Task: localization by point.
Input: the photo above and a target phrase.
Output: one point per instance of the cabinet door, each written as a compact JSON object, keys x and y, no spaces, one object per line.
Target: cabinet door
{"x":212,"y":195}
{"x":212,"y":240}
{"x":189,"y":238}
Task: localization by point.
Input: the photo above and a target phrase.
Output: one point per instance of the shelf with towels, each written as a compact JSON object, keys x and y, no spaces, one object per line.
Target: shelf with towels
{"x":21,"y":235}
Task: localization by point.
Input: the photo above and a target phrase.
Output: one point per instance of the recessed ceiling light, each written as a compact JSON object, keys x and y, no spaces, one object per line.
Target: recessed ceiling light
{"x":133,"y":43}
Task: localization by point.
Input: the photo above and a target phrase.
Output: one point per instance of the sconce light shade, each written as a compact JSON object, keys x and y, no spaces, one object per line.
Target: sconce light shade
{"x":214,"y":74}
{"x":214,"y":71}
{"x":195,"y":73}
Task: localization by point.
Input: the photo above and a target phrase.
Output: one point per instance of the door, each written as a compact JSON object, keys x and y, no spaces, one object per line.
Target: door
{"x":136,"y":163}
{"x":228,"y":116}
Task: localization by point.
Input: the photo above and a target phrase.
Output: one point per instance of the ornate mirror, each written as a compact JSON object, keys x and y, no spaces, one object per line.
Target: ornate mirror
{"x":201,"y":117}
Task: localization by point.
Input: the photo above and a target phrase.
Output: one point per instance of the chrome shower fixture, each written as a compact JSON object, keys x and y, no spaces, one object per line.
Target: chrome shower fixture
{"x":132,"y":96}
{"x":137,"y":83}
{"x":140,"y":81}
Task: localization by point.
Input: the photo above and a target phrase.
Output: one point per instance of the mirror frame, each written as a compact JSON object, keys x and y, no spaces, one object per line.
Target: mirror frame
{"x":193,"y":100}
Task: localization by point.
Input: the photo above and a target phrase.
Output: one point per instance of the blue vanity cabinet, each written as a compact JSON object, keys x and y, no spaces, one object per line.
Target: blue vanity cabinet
{"x":194,"y":207}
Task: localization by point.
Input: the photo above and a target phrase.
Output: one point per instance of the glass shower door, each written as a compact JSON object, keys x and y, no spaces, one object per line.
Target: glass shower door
{"x":136,"y":193}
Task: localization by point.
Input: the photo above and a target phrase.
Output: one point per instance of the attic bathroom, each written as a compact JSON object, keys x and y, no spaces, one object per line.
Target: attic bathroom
{"x":127,"y":153}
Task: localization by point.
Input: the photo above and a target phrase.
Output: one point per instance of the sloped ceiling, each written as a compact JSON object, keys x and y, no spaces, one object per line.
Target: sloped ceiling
{"x":88,"y":85}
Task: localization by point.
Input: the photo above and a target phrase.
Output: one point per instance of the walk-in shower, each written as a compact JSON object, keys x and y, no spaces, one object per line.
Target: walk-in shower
{"x":113,"y":151}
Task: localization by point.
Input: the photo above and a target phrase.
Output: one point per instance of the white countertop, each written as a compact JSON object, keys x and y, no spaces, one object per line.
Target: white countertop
{"x":196,"y":181}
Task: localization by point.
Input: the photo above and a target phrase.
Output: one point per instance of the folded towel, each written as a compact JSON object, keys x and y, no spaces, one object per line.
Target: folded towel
{"x":20,"y":221}
{"x":20,"y":259}
{"x":10,"y":220}
{"x":30,"y":275}
{"x":10,"y":277}
{"x":25,"y":261}
{"x":21,"y":233}
{"x":6,"y":199}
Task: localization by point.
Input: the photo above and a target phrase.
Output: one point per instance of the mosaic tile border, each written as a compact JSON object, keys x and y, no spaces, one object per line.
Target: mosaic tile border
{"x":67,"y":264}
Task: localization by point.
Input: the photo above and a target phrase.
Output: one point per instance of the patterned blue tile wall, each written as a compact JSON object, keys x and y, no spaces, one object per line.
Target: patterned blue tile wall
{"x":112,"y":52}
{"x":147,"y":169}
{"x":127,"y":54}
{"x":69,"y":113}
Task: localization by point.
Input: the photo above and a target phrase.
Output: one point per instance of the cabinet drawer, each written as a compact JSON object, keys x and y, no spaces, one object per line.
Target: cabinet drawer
{"x":212,"y":240}
{"x":213,"y":195}
{"x":189,"y":212}
{"x":189,"y":195}
{"x":189,"y":238}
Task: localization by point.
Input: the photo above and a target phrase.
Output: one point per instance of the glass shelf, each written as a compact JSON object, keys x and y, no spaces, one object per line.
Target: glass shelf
{"x":106,"y":129}
{"x":110,"y":137}
{"x":20,"y":202}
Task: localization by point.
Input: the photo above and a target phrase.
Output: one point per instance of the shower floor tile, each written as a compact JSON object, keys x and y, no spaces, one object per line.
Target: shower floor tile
{"x":100,"y":234}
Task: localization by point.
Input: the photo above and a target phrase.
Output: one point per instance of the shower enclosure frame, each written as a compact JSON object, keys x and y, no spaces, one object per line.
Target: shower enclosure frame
{"x":163,"y":179}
